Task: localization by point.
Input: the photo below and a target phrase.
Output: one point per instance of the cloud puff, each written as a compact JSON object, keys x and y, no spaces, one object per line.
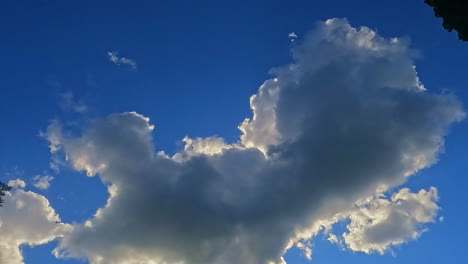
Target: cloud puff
{"x":380,"y":223}
{"x":114,"y":58}
{"x":292,"y":36}
{"x":16,"y":183}
{"x":42,"y":182}
{"x":26,"y":219}
{"x":377,"y":223}
{"x":348,"y":117}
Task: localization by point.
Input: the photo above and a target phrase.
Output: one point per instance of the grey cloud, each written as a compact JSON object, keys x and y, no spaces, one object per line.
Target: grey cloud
{"x":347,"y":117}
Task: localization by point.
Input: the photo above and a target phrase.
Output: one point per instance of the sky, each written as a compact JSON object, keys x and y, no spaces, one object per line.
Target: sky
{"x":216,"y":132}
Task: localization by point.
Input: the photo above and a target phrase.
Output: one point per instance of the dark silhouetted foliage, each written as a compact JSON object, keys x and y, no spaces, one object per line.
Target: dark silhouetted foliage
{"x":454,"y":14}
{"x":3,"y":189}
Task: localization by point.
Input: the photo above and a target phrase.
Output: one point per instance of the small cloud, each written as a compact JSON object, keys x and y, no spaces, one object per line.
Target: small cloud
{"x":292,"y":36}
{"x":306,"y":249}
{"x":379,"y":223}
{"x":114,"y":58}
{"x":333,"y":238}
{"x":54,"y":165}
{"x":69,"y":103}
{"x":42,"y":182}
{"x":17,"y":183}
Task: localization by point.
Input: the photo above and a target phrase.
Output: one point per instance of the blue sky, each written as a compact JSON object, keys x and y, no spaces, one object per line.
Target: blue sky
{"x":195,"y":66}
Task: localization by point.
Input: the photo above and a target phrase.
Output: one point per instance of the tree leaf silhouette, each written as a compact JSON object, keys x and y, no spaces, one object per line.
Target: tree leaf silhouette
{"x":454,"y":14}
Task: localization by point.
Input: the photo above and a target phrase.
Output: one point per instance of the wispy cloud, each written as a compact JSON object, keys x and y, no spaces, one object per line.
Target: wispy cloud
{"x":292,"y":36}
{"x":68,"y":102}
{"x":114,"y":58}
{"x":42,"y":182}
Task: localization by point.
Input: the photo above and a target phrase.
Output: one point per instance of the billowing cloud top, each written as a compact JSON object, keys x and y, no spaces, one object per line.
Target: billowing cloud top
{"x":348,"y":118}
{"x":26,"y":218}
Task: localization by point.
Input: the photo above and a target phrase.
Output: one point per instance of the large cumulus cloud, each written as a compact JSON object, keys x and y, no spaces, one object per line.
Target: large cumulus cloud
{"x":347,"y":117}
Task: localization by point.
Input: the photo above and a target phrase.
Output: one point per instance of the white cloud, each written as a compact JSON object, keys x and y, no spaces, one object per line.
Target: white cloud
{"x":114,"y":58}
{"x":26,"y":218}
{"x":260,"y":131}
{"x":42,"y":182}
{"x":16,"y":183}
{"x":379,"y":223}
{"x":334,"y":239}
{"x":306,"y":249}
{"x":207,"y":146}
{"x":292,"y":36}
{"x":347,"y":117}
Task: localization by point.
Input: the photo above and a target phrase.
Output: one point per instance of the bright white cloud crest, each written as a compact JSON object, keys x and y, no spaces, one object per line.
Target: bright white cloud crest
{"x":378,"y":223}
{"x":348,"y":117}
{"x":26,"y":218}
